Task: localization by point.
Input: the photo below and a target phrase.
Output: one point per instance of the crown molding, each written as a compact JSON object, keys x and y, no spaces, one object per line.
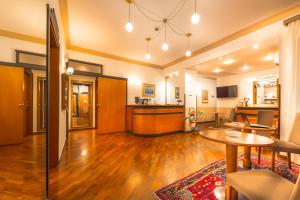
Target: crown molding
{"x":111,"y":56}
{"x":20,"y":36}
{"x":254,"y":27}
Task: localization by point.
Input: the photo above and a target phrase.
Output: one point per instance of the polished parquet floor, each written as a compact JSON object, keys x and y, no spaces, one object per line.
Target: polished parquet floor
{"x":22,"y":169}
{"x":122,"y":166}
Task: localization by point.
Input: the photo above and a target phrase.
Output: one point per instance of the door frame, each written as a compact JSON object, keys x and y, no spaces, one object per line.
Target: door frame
{"x":91,"y":97}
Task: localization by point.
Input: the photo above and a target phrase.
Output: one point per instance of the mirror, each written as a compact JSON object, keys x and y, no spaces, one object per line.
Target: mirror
{"x":174,"y":91}
{"x":265,"y":91}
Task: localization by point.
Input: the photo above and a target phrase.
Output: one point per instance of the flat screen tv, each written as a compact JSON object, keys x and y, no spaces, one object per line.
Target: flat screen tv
{"x":227,"y":91}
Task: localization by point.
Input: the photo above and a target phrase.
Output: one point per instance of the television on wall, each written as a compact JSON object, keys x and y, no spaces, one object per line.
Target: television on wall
{"x":227,"y":91}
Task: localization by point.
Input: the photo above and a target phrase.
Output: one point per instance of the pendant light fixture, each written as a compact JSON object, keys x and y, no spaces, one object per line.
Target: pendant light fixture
{"x":188,"y":52}
{"x":165,"y":45}
{"x":164,"y":23}
{"x":129,"y":26}
{"x":148,"y":55}
{"x":195,"y":17}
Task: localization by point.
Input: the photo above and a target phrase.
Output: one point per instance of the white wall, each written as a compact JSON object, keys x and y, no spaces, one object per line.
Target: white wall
{"x":194,"y":84}
{"x":9,"y":45}
{"x":136,"y":74}
{"x":245,"y":86}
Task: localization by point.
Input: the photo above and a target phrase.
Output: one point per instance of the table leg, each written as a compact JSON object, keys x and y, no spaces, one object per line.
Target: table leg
{"x":217,"y":119}
{"x":247,"y":158}
{"x":231,"y":166}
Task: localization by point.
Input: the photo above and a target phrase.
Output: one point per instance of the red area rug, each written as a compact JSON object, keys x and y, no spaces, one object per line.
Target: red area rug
{"x":201,"y":184}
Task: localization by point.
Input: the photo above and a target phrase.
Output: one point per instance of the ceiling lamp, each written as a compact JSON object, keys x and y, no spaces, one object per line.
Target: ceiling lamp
{"x":163,"y":23}
{"x":148,"y":55}
{"x":255,"y":46}
{"x":129,"y":26}
{"x":188,"y":52}
{"x":245,"y":67}
{"x":195,"y":17}
{"x":165,"y":45}
{"x":228,"y":61}
{"x":217,"y":70}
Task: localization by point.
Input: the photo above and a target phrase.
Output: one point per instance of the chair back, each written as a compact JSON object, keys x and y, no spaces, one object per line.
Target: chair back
{"x":296,"y":191}
{"x":265,"y":117}
{"x":232,"y":115}
{"x":295,"y":132}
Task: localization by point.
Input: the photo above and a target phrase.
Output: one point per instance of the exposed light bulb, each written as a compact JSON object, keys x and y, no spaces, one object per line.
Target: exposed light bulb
{"x":165,"y":46}
{"x":195,"y":18}
{"x":70,"y":70}
{"x":188,"y":53}
{"x":129,"y":27}
{"x":255,"y":46}
{"x":148,"y":56}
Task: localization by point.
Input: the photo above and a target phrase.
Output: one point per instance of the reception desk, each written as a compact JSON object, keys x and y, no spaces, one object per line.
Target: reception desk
{"x":154,"y":119}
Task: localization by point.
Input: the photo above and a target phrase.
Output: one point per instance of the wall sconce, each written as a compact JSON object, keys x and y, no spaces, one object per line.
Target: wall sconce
{"x":171,"y":75}
{"x":70,"y":70}
{"x":135,"y":82}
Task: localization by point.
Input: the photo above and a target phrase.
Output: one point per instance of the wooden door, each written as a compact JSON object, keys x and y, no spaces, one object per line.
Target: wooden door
{"x":53,"y":89}
{"x":111,"y":105}
{"x":11,"y":105}
{"x":28,"y":101}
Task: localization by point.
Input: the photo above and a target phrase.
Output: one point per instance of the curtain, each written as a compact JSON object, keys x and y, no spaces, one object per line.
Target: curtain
{"x":290,"y":77}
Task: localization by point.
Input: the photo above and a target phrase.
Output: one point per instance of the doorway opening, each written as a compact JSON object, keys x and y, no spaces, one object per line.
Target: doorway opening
{"x":82,"y":105}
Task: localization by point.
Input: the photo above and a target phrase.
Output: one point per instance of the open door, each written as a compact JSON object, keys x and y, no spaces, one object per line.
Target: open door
{"x":53,"y":52}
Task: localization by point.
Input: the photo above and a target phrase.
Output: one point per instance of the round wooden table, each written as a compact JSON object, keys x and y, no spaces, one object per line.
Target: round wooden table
{"x":247,"y":150}
{"x":232,"y":143}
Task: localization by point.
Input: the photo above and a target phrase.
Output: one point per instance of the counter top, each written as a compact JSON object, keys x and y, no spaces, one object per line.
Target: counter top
{"x":256,"y":107}
{"x":156,"y":106}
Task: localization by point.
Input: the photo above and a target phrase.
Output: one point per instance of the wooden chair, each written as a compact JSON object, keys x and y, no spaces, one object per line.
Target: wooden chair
{"x":290,"y":146}
{"x":263,"y":185}
{"x":264,"y":117}
{"x":230,"y":118}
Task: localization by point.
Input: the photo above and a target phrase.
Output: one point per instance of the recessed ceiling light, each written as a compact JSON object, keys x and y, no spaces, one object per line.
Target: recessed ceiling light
{"x":245,"y":67}
{"x":269,"y":57}
{"x":255,"y":46}
{"x":228,"y":61}
{"x":217,"y":70}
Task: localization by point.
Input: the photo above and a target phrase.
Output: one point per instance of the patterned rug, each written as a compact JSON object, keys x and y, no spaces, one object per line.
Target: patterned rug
{"x":201,"y":184}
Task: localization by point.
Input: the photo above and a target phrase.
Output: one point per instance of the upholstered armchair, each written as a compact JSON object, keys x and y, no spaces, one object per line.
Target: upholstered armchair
{"x":263,"y":184}
{"x":290,"y":146}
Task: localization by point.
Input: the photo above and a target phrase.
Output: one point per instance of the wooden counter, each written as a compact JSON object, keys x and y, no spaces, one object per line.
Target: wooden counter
{"x":251,"y":113}
{"x":154,"y":119}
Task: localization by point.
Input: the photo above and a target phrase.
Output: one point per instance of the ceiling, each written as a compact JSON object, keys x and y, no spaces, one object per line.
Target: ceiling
{"x":25,"y":17}
{"x":98,"y":25}
{"x":256,"y":57}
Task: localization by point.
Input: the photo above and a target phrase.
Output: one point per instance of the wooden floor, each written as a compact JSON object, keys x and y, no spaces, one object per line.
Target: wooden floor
{"x":22,"y":169}
{"x":122,"y":166}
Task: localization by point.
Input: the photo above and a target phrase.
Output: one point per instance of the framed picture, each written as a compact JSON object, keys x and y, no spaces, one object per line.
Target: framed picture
{"x":148,"y":90}
{"x":204,"y":96}
{"x":177,"y":92}
{"x":65,"y":91}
